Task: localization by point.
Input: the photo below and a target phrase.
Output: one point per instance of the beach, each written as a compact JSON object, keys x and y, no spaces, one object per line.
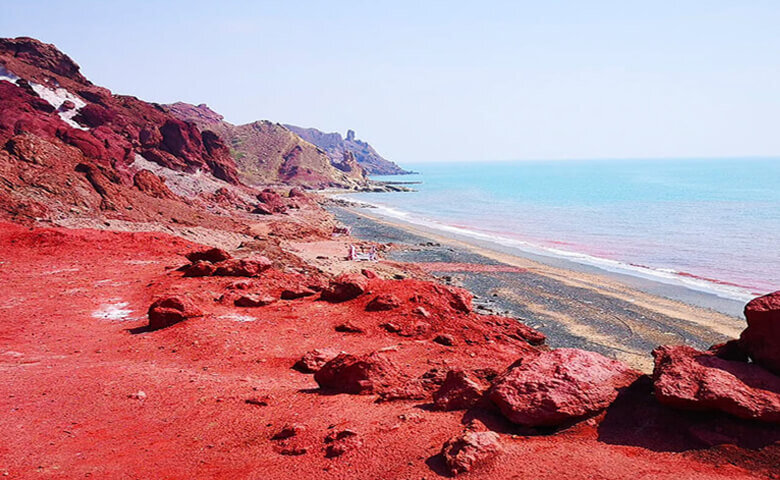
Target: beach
{"x":574,"y":305}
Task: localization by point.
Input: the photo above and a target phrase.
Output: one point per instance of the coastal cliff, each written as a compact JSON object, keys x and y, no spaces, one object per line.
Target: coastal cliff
{"x":267,"y":152}
{"x":337,"y":147}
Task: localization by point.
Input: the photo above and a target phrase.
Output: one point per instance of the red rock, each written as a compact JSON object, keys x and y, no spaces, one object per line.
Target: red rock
{"x":345,"y":287}
{"x":370,"y":274}
{"x":530,"y":335}
{"x":340,"y":442}
{"x":149,"y":183}
{"x":730,"y":350}
{"x":297,"y":192}
{"x":313,"y":360}
{"x":296,"y":293}
{"x":364,"y":374}
{"x":383,"y":302}
{"x":460,"y":299}
{"x":689,"y":379}
{"x":458,"y":392}
{"x":348,"y":327}
{"x":470,"y":450}
{"x":93,"y":115}
{"x":213,"y":255}
{"x":421,"y":311}
{"x":67,"y":106}
{"x":167,"y":311}
{"x":244,"y":267}
{"x":200,"y":269}
{"x":559,"y":386}
{"x":288,"y":431}
{"x":761,"y":339}
{"x":254,"y":300}
{"x":444,"y":339}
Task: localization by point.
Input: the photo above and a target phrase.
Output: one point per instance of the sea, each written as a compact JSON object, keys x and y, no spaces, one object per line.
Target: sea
{"x":711,"y":225}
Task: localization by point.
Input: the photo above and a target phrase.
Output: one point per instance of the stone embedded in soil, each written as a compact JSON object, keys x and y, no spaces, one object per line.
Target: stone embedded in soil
{"x":254,"y":300}
{"x":340,"y":442}
{"x":348,"y":327}
{"x":444,"y":339}
{"x":313,"y":360}
{"x":244,"y":267}
{"x":211,"y":255}
{"x":345,"y":287}
{"x":288,"y":431}
{"x":458,"y":392}
{"x":761,"y":339}
{"x":559,"y":386}
{"x":167,"y":311}
{"x":383,"y":302}
{"x":296,"y":293}
{"x":530,"y":335}
{"x":689,"y":379}
{"x":470,"y":450}
{"x":200,"y":269}
{"x":353,"y":374}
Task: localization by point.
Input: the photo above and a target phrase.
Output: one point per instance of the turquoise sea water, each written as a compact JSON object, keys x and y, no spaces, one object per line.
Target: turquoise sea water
{"x":710,"y":224}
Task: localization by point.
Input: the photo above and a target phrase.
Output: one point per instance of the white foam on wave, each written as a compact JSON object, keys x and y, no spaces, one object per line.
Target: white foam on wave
{"x":661,"y":275}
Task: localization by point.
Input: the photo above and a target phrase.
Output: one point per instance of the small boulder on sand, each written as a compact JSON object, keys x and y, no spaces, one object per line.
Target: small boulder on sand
{"x":167,"y":311}
{"x":689,"y":379}
{"x":345,"y":287}
{"x":313,"y":360}
{"x":364,"y":374}
{"x":383,"y":302}
{"x":559,"y":386}
{"x":460,"y":391}
{"x":211,"y":255}
{"x":470,"y":450}
{"x":244,"y":267}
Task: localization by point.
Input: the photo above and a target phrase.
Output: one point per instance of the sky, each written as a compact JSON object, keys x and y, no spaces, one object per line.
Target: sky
{"x":448,"y":80}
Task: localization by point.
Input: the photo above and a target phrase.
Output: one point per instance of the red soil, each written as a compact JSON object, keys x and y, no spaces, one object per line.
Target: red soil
{"x":216,"y":390}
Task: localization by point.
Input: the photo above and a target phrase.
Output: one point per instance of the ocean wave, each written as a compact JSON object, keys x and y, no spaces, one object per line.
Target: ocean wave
{"x":666,"y":276}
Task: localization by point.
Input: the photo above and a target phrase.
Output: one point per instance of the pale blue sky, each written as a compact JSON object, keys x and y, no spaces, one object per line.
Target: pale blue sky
{"x":448,"y":80}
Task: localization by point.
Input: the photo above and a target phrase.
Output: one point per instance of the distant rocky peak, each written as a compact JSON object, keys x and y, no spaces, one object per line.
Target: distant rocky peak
{"x":350,"y":135}
{"x":200,"y":114}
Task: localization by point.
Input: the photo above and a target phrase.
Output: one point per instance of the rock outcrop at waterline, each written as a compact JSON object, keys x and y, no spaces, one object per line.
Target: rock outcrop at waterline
{"x":338,"y":148}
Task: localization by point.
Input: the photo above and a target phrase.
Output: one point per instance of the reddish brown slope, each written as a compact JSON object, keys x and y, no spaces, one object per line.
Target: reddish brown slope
{"x":269,"y":153}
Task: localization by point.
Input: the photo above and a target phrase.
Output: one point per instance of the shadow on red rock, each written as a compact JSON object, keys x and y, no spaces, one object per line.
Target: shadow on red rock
{"x":636,"y":419}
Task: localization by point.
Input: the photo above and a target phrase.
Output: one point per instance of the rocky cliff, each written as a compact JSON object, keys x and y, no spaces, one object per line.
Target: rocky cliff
{"x":337,"y":146}
{"x":267,"y":152}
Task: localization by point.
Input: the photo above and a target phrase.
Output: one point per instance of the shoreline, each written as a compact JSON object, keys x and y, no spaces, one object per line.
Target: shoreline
{"x":575,"y":305}
{"x":720,"y":296}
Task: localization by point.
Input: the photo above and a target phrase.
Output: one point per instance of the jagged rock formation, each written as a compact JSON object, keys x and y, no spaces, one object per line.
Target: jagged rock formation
{"x":338,"y":147}
{"x":267,"y":152}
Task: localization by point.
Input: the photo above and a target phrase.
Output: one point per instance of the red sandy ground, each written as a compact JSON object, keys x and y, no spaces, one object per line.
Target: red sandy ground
{"x":68,"y":379}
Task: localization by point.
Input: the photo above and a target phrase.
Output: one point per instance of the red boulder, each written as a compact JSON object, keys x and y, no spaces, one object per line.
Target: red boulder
{"x":458,"y":392}
{"x":761,"y":339}
{"x":244,"y":267}
{"x":167,"y":311}
{"x":213,"y":255}
{"x":559,"y":386}
{"x":383,"y":302}
{"x":313,"y":360}
{"x":345,"y":287}
{"x":689,"y":379}
{"x":353,"y":374}
{"x":470,"y":450}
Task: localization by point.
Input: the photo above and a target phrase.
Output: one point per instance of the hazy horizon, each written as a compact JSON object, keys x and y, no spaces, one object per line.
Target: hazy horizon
{"x":448,"y":81}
